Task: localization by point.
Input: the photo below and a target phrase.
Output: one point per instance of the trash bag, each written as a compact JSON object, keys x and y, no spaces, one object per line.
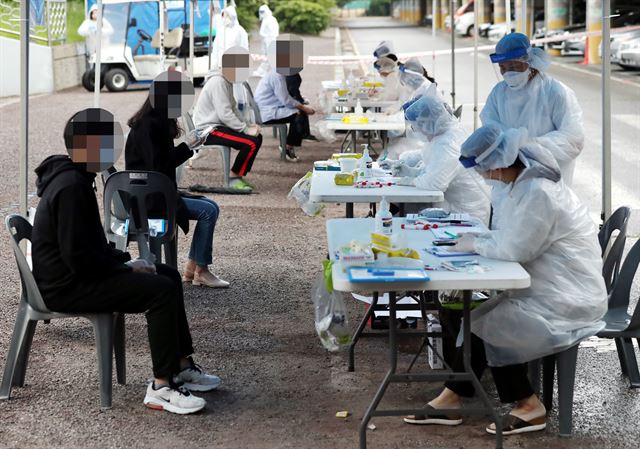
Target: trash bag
{"x":322,"y":132}
{"x":300,"y":193}
{"x":332,"y":324}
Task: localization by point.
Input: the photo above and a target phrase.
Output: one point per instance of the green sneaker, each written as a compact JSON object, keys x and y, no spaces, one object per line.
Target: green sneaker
{"x":250,"y":184}
{"x":240,"y":184}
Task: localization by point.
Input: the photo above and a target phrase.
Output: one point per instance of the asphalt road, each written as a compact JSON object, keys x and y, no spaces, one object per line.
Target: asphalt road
{"x":585,"y":81}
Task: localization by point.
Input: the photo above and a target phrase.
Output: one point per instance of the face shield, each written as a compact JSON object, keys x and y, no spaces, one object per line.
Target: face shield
{"x":411,"y":78}
{"x":385,"y":66}
{"x":512,"y":67}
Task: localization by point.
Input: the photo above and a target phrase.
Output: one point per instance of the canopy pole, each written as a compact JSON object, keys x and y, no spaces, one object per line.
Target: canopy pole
{"x":162,"y":9}
{"x":476,"y":21}
{"x":507,"y":14}
{"x":453,"y":55}
{"x":98,"y":64}
{"x":606,"y":111}
{"x":191,"y":17}
{"x":435,"y":17}
{"x":210,"y":33}
{"x":24,"y":105}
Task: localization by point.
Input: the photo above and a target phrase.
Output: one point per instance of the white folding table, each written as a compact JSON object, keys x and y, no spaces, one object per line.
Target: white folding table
{"x":366,"y":103}
{"x":380,"y":122}
{"x":325,"y":190}
{"x":500,"y":275}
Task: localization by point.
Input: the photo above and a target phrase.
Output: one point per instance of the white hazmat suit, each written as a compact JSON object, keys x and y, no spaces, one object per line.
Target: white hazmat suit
{"x":548,"y":109}
{"x":439,"y":167}
{"x":269,"y":31}
{"x":544,"y":227}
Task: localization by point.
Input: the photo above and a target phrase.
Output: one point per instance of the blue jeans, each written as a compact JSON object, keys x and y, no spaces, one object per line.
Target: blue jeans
{"x":206,"y":212}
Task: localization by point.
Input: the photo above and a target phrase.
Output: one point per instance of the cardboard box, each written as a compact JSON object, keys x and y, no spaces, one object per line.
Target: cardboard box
{"x":433,"y":325}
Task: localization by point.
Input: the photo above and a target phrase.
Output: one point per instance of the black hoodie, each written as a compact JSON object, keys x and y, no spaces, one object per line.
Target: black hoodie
{"x":69,"y":245}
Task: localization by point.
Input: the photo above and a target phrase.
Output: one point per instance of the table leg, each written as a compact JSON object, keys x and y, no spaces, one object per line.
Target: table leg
{"x":354,"y":138}
{"x":401,"y":212}
{"x":466,"y":323}
{"x":393,"y":362}
{"x":361,"y":326}
{"x":349,"y":212}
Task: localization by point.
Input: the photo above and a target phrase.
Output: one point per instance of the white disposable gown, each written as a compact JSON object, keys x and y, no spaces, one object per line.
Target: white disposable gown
{"x":441,"y":170}
{"x":544,"y":227}
{"x":548,"y":109}
{"x":232,"y":34}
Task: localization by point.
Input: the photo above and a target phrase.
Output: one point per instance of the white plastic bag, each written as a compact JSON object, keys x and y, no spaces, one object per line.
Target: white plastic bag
{"x":322,"y":132}
{"x":332,"y":324}
{"x":300,"y":193}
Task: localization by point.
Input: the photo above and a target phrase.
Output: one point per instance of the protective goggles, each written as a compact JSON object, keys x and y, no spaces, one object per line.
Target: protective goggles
{"x":384,"y":64}
{"x":472,"y":161}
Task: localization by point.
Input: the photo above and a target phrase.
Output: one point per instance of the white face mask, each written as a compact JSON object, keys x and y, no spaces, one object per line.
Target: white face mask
{"x":516,"y":80}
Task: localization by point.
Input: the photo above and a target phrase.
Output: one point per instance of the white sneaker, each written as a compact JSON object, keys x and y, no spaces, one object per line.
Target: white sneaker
{"x":194,"y":379}
{"x":173,"y":399}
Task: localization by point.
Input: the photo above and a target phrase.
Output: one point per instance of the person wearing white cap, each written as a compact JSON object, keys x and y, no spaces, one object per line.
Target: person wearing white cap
{"x":269,"y":31}
{"x":550,"y":233}
{"x":438,"y":168}
{"x":528,"y":97}
{"x":232,"y":34}
{"x":386,"y":65}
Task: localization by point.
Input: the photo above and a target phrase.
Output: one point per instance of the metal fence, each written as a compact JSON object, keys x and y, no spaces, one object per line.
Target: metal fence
{"x":48,"y":23}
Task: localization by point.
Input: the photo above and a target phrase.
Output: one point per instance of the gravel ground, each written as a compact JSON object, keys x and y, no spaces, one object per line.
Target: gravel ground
{"x":281,"y":389}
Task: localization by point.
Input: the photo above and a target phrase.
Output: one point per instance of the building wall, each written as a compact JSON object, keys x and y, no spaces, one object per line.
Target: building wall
{"x":41,"y":78}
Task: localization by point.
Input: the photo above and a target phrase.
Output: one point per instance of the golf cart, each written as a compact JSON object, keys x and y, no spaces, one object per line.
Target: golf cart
{"x":149,"y":37}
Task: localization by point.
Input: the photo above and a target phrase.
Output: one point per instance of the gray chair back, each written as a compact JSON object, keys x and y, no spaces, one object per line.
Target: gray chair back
{"x":611,"y":263}
{"x":621,"y":292}
{"x":20,"y":229}
{"x":133,"y":188}
{"x":252,"y":103}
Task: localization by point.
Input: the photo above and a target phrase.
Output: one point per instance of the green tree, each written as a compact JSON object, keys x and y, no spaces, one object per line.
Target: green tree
{"x":302,"y":16}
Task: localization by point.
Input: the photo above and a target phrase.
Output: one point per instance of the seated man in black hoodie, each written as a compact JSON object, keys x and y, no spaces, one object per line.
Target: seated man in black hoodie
{"x":77,"y":271}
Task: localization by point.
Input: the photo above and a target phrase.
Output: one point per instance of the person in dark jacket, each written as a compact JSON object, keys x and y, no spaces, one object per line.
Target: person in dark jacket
{"x":78,"y":272}
{"x":150,"y":147}
{"x":302,"y":119}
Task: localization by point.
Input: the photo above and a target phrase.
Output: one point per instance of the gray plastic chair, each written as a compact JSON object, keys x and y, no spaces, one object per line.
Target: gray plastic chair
{"x":282,"y":128}
{"x":127,"y":191}
{"x":613,"y":258}
{"x":621,"y":325}
{"x":225,"y":151}
{"x":33,"y":309}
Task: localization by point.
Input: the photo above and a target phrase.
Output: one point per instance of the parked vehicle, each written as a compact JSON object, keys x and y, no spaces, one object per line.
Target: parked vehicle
{"x":616,"y":41}
{"x":132,"y":52}
{"x":464,"y":24}
{"x":630,"y":54}
{"x":464,"y":9}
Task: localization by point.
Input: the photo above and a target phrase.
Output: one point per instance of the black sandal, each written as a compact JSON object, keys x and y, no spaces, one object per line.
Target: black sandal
{"x":512,"y":425}
{"x":433,"y":418}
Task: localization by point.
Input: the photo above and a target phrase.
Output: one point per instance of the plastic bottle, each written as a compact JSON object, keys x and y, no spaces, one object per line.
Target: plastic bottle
{"x":366,"y":164}
{"x":358,"y":109}
{"x":384,"y":219}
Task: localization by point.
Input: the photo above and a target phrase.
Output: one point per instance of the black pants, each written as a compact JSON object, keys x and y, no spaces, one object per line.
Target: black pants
{"x":247,"y":145}
{"x":512,"y":381}
{"x":294,"y":136}
{"x":159,"y":296}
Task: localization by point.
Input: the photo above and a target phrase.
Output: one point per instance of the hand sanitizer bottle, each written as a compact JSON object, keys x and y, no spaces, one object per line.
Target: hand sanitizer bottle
{"x":384,"y":219}
{"x":366,"y":163}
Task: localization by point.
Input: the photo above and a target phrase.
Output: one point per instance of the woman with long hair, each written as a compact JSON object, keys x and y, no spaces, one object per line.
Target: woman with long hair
{"x":150,"y":146}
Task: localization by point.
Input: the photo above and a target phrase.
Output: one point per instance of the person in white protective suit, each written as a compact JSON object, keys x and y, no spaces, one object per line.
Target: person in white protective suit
{"x":269,"y":31}
{"x":550,"y":233}
{"x":231,"y":34}
{"x":416,"y":82}
{"x":529,"y":98}
{"x":386,"y":65}
{"x":439,"y":168}
{"x":89,"y":29}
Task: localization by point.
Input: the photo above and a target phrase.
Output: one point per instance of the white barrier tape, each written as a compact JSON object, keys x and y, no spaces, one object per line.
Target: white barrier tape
{"x":354,"y":59}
